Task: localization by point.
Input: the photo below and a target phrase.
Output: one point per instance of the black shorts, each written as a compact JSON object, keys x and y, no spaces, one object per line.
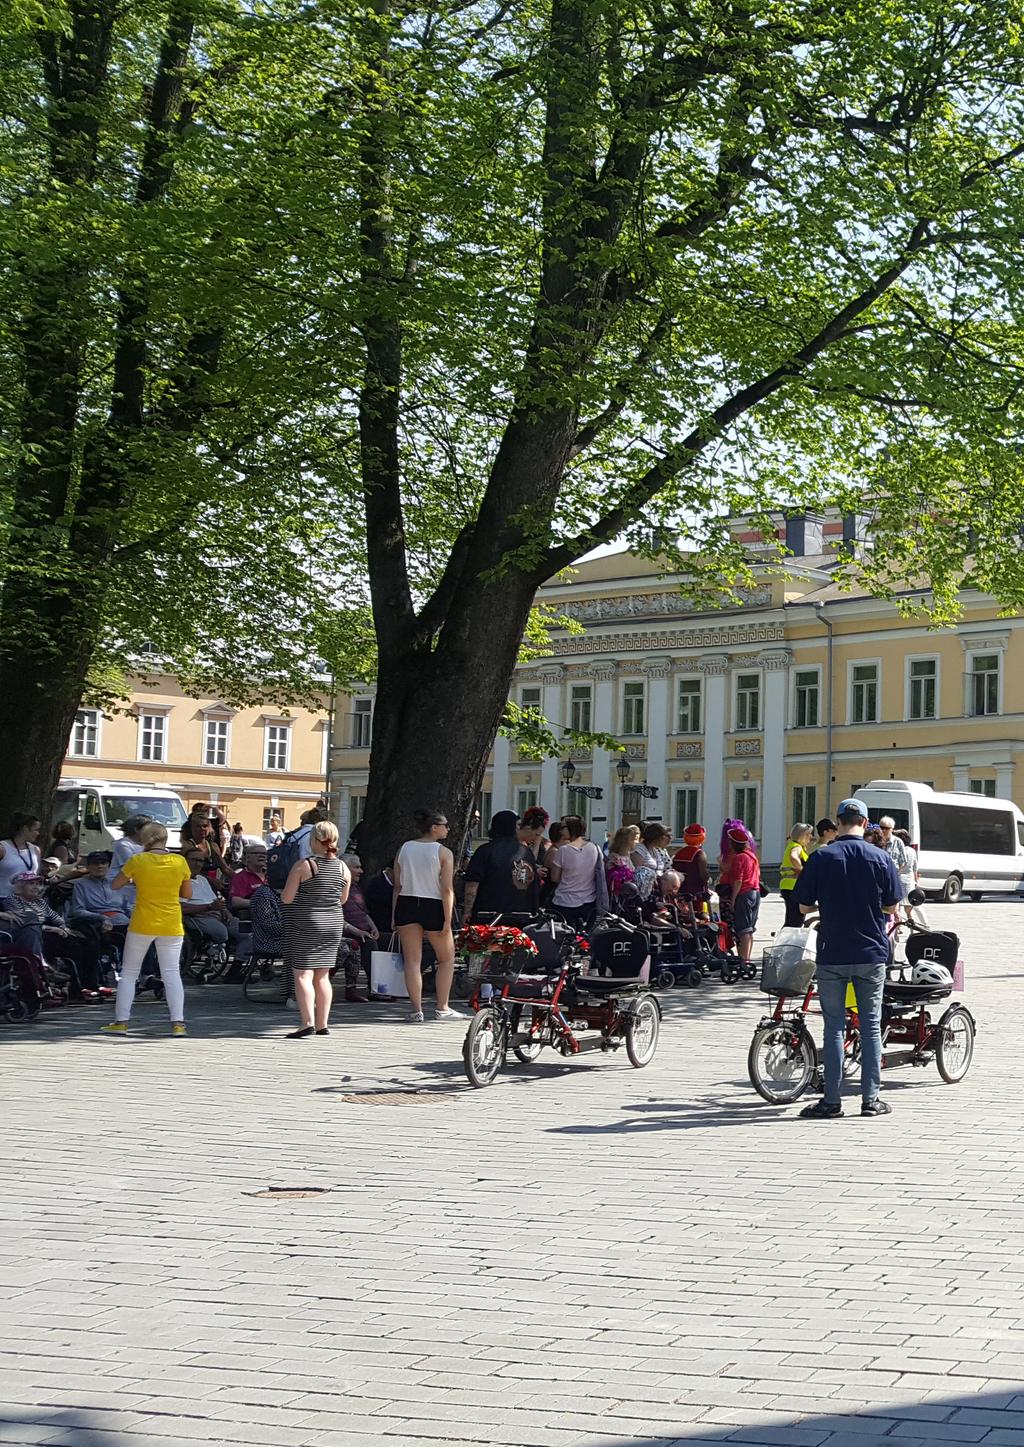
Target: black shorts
{"x":429,"y":913}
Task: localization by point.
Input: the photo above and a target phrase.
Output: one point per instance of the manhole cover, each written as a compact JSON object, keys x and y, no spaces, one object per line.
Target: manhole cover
{"x":288,"y":1193}
{"x":400,"y":1097}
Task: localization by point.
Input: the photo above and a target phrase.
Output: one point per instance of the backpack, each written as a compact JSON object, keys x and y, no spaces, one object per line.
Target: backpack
{"x":281,"y":858}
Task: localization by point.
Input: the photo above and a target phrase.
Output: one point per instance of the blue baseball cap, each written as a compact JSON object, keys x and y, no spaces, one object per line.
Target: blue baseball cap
{"x":852,"y":806}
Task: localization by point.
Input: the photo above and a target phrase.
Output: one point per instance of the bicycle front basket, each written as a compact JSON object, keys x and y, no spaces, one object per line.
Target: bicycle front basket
{"x":784,"y":975}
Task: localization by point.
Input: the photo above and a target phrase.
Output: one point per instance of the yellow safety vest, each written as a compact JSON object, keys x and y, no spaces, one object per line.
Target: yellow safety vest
{"x":787,"y":874}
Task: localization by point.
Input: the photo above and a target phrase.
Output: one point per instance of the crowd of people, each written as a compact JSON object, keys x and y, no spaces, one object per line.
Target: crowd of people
{"x":214,"y":894}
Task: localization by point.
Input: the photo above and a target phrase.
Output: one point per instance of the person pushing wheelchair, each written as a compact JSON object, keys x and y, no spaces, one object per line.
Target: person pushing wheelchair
{"x":853,"y":886}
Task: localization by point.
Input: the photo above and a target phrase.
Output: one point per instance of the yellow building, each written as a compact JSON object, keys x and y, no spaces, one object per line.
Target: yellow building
{"x":730,"y":712}
{"x":254,"y":762}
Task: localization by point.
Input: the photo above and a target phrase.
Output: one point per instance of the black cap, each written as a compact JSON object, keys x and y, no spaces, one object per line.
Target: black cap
{"x":98,"y":856}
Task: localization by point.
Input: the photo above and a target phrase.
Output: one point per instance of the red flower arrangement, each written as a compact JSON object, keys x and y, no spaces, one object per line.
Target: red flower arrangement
{"x":494,"y":939}
{"x":582,"y":944}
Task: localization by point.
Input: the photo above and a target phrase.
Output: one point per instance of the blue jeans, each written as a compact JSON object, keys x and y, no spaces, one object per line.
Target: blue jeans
{"x":868,"y":982}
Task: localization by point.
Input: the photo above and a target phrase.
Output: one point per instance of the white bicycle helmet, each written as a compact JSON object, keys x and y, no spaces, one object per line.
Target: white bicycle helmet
{"x":929,"y":973}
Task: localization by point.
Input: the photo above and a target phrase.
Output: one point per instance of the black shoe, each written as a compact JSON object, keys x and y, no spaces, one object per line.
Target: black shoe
{"x":324,"y":1031}
{"x":821,"y":1110}
{"x":878,"y":1106}
{"x":300,"y":1034}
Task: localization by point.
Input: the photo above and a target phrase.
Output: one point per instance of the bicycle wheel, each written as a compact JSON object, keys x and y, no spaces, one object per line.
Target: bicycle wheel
{"x":266,"y":982}
{"x":781,"y":1062}
{"x":526,"y":1045}
{"x":643,"y":1027}
{"x":483,"y":1049}
{"x":954,"y":1047}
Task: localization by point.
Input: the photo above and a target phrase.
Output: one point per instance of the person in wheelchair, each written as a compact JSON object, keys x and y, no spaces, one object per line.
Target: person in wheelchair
{"x":207,"y":918}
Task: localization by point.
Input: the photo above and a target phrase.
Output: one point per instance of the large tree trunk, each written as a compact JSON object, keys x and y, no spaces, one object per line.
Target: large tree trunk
{"x":436,"y":715}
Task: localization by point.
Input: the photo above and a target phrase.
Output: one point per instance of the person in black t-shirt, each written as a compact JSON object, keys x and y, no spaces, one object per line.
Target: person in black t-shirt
{"x":501,"y":877}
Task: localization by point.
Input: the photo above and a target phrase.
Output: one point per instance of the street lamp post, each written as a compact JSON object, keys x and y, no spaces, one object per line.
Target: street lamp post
{"x":625,"y":773}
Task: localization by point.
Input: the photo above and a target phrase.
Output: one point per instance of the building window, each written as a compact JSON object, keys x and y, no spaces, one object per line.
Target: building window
{"x":526,"y":799}
{"x":362,"y":722}
{"x":579,"y":805}
{"x":278,"y":737}
{"x":984,"y":683}
{"x":748,"y":701}
{"x":806,"y":686}
{"x":580,"y":708}
{"x":529,"y":698}
{"x":744,"y":805}
{"x":153,"y":738}
{"x":805,"y":804}
{"x":272,"y":811}
{"x":923,"y":688}
{"x":864,"y":693}
{"x":689,"y":706}
{"x":215,"y":742}
{"x":485,"y":804}
{"x":85,"y":736}
{"x":632,"y":708}
{"x":687,"y":808}
{"x":356,"y":811}
{"x":985,"y":787}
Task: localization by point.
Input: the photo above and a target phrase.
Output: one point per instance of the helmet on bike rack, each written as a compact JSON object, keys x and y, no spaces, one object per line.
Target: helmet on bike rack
{"x":927,"y":972}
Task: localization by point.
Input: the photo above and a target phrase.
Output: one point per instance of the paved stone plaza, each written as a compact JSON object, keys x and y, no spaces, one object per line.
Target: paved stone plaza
{"x":582,"y":1254}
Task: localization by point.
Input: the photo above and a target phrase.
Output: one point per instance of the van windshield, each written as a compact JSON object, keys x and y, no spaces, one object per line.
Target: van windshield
{"x":165,"y":809}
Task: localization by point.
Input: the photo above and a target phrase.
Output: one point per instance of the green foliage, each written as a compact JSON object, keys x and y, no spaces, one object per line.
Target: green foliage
{"x":539,"y":738}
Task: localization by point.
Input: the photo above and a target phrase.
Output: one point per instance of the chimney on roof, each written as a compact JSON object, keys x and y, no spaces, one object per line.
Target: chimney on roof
{"x":804,"y":534}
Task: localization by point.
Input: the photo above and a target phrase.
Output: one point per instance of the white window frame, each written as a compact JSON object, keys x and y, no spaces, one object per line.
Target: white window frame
{"x":527,"y":797}
{"x":876,"y":664}
{"x":216,"y":720}
{"x":814,"y":668}
{"x":532,"y":688}
{"x":581,"y":695}
{"x":356,"y":812}
{"x":908,"y":684}
{"x":735,"y":810}
{"x":746,"y":727}
{"x":677,"y":791}
{"x":699,"y":696}
{"x":154,"y":713}
{"x":807,"y":816}
{"x":362,"y":708}
{"x":277,"y":723}
{"x":972,"y":655}
{"x":579,"y":805}
{"x":984,"y":788}
{"x":96,"y":725}
{"x":633,"y":699}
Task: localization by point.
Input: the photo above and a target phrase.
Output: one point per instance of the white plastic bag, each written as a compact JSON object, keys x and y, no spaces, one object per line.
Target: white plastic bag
{"x":387,"y":972}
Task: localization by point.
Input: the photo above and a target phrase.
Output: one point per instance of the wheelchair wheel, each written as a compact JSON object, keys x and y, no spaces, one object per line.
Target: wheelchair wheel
{"x":483,"y":1049}
{"x":665,"y":979}
{"x":781,"y":1062}
{"x":954,"y":1046}
{"x":525,"y":1045}
{"x":265,"y":982}
{"x":642,"y":1030}
{"x":729,"y":974}
{"x":694,"y":978}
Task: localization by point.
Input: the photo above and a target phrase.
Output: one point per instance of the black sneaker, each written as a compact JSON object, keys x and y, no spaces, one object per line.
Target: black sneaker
{"x":821,"y":1110}
{"x":878,"y":1106}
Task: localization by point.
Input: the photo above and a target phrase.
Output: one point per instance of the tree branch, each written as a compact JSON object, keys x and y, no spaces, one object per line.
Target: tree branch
{"x":622,"y":390}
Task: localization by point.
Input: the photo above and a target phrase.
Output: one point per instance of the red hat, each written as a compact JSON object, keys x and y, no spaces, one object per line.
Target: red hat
{"x":695,"y":834}
{"x":739,"y":836}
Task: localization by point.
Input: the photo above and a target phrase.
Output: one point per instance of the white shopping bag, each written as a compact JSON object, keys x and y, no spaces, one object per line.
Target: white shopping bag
{"x":387,"y":972}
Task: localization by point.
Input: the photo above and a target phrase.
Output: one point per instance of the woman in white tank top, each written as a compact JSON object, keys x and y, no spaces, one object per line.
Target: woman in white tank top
{"x":422,"y":904}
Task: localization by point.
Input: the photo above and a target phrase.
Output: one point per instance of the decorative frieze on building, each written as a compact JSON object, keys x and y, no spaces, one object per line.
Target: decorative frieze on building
{"x":745,"y":748}
{"x":651,"y":605}
{"x":599,"y":671}
{"x":689,"y":750}
{"x":734,"y":635}
{"x":636,"y":751}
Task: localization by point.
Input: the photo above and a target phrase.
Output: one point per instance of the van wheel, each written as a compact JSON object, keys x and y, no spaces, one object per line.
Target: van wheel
{"x":952,"y":889}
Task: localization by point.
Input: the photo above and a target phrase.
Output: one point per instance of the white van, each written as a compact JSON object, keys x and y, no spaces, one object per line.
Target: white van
{"x":967,"y":843}
{"x":99,"y":808}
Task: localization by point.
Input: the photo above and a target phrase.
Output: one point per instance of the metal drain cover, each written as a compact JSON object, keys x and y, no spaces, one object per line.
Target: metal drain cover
{"x":289,"y":1193}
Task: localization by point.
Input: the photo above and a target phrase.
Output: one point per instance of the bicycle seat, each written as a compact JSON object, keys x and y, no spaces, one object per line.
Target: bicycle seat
{"x":896,"y":993}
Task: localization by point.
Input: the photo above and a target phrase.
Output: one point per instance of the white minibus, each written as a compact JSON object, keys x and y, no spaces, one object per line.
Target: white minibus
{"x":99,"y":808}
{"x":967,"y":843}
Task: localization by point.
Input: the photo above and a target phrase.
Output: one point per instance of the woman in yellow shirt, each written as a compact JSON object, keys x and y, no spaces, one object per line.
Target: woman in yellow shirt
{"x":162,"y":880}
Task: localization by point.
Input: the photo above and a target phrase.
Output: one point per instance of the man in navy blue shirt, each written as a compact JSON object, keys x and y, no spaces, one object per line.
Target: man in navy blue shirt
{"x":853,"y":886}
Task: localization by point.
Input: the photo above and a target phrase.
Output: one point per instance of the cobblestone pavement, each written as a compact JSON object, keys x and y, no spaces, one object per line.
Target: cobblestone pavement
{"x":582,"y":1254}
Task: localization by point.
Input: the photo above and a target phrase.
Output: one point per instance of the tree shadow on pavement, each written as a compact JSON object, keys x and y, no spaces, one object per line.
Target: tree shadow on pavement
{"x":912,"y":1417}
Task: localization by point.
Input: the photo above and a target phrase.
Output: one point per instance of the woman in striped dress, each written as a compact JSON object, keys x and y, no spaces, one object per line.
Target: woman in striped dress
{"x":312,"y":899}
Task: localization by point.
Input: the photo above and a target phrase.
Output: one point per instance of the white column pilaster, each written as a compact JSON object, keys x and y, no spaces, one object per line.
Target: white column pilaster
{"x":715,"y":669}
{"x":658,"y":672}
{"x":501,"y":755}
{"x":1004,"y":780}
{"x":773,"y":788}
{"x":603,"y":769}
{"x":960,"y":777}
{"x":552,"y":678}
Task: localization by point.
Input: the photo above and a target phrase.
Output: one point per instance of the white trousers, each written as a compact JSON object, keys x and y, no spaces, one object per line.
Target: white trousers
{"x":168,"y":952}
